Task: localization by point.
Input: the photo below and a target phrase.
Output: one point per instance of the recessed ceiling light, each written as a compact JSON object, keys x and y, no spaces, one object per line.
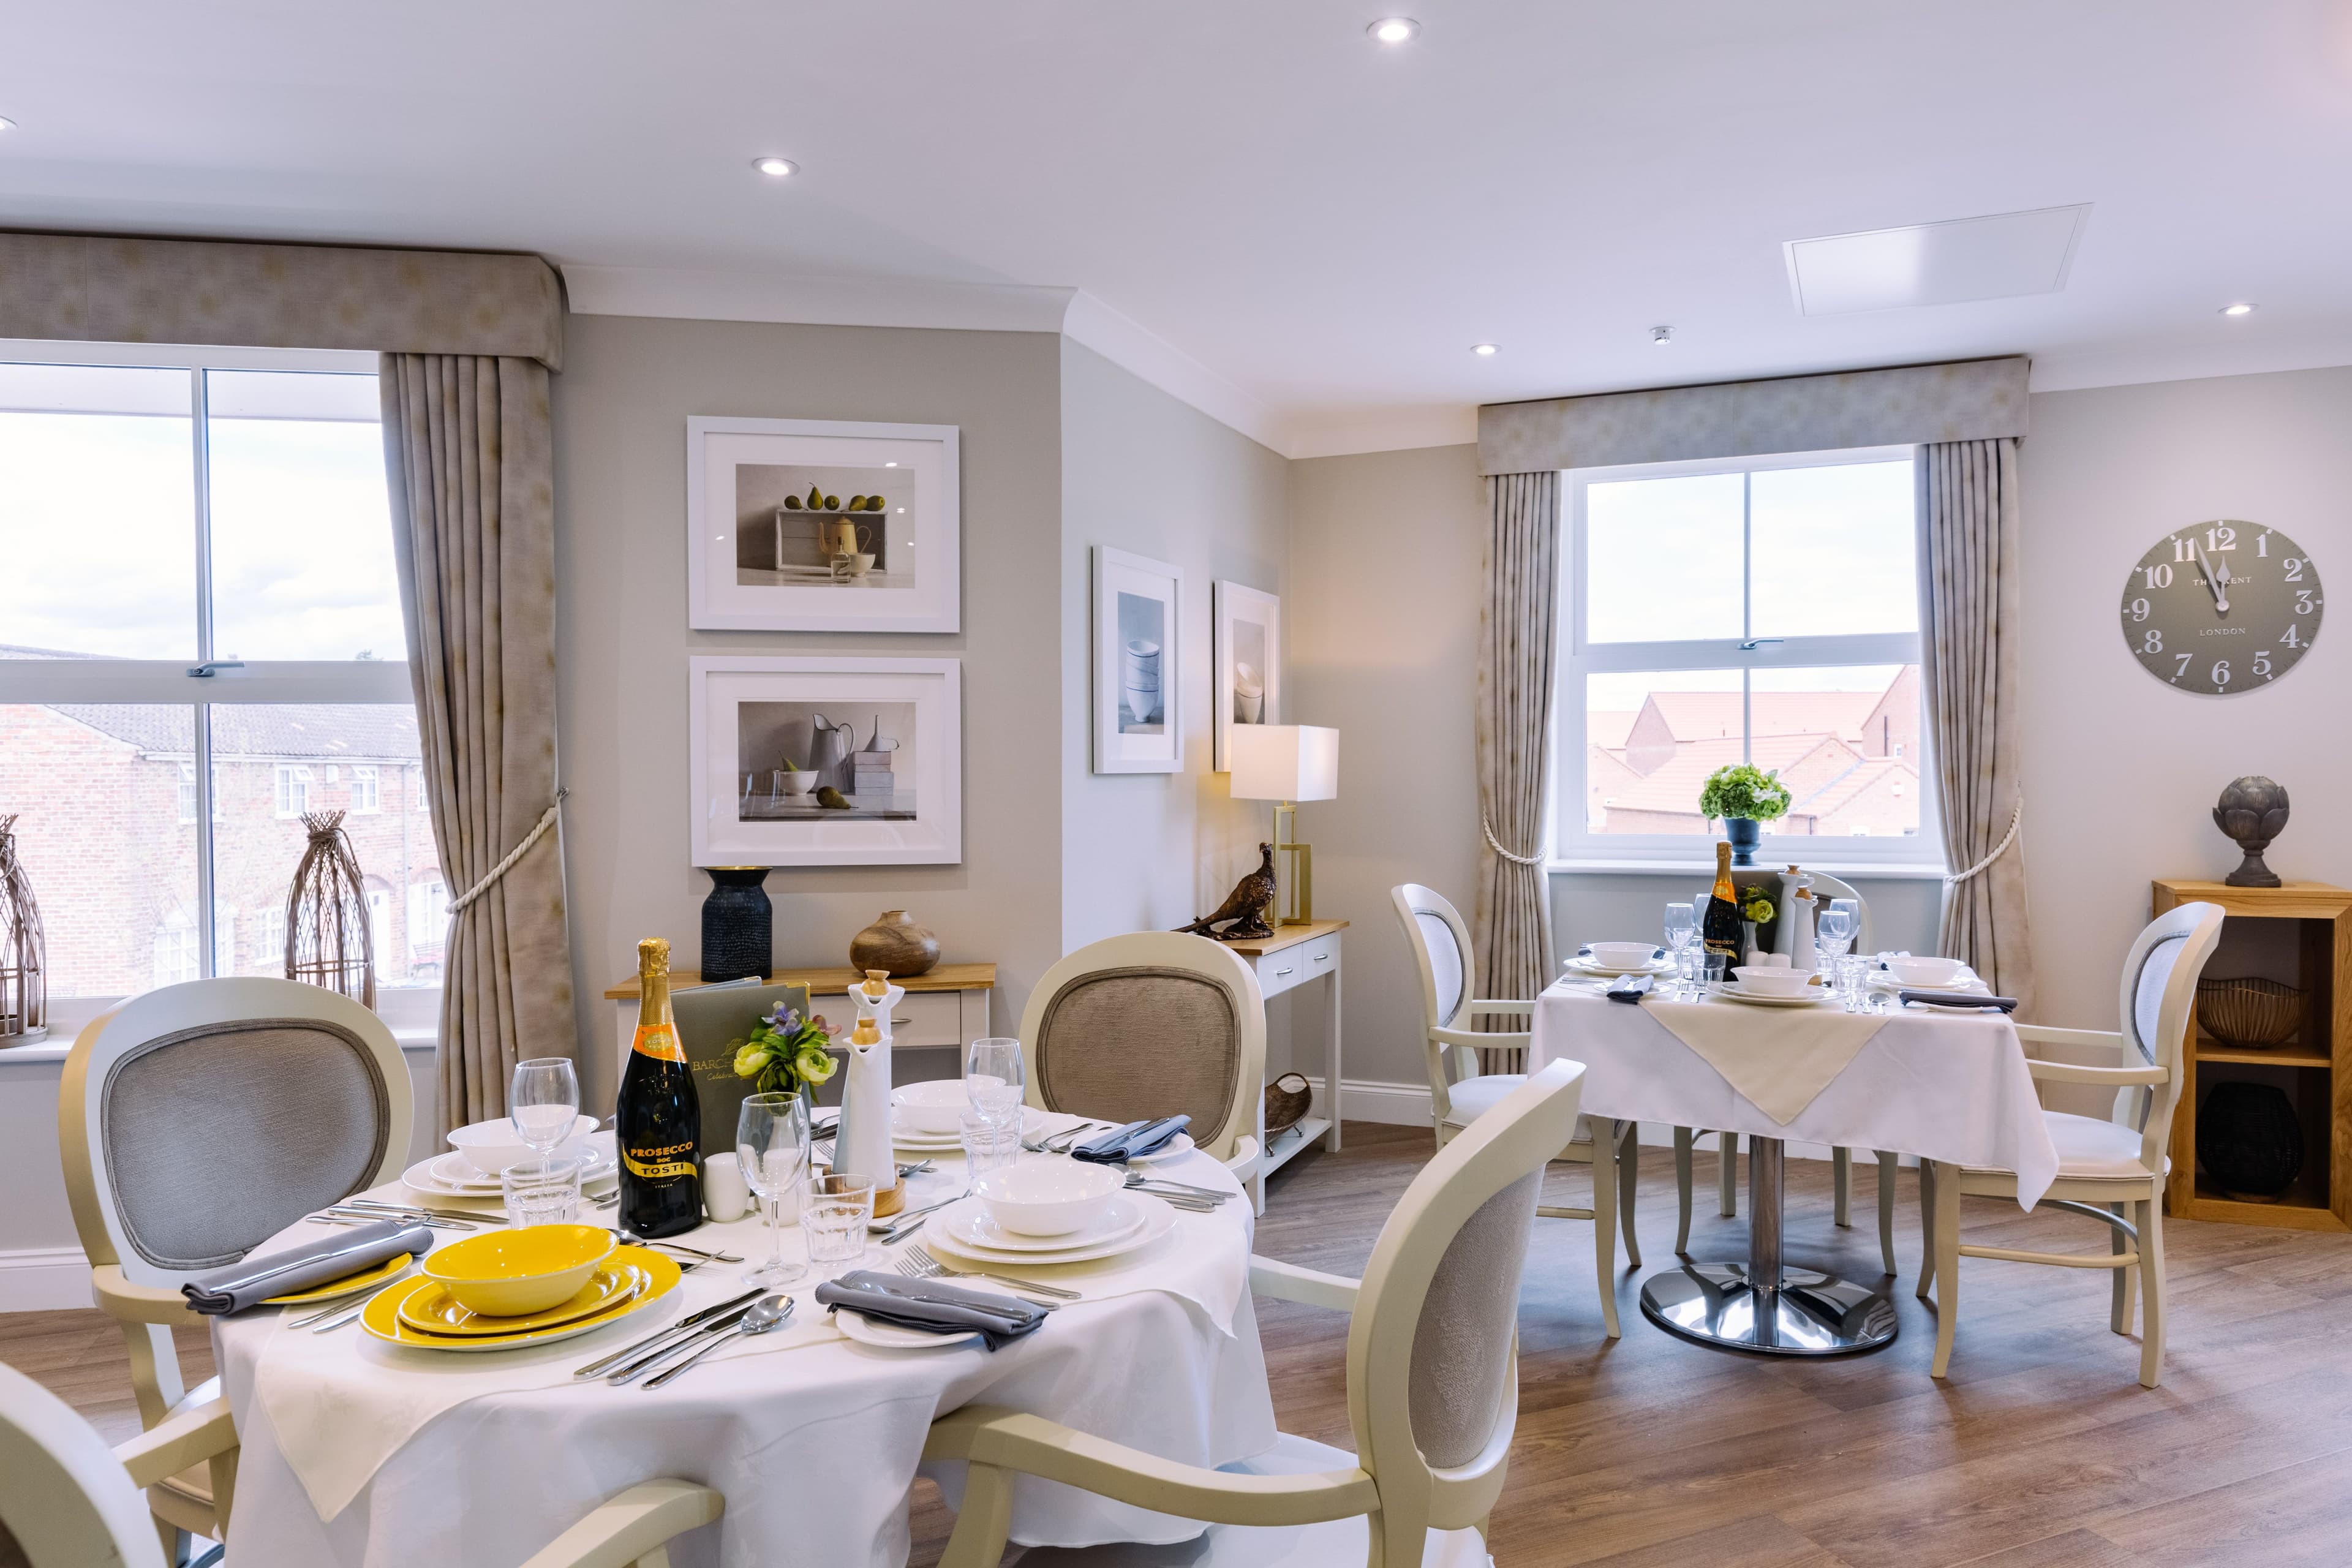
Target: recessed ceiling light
{"x":1394,"y":30}
{"x":2240,"y":308}
{"x":1485,"y":351}
{"x":1661,"y":336}
{"x":775,"y":168}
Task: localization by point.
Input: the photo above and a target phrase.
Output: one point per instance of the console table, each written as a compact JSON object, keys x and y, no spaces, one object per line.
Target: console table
{"x":1295,"y":956}
{"x":947,"y":1007}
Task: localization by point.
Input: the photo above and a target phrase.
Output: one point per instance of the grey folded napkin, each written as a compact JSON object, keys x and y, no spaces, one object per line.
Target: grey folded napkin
{"x":931,"y":1306}
{"x":1137,"y":1138}
{"x":1629,"y":988}
{"x":1960,"y":999}
{"x":244,"y":1284}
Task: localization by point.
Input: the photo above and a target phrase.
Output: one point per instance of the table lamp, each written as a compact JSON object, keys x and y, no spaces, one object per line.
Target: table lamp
{"x":1286,"y":763}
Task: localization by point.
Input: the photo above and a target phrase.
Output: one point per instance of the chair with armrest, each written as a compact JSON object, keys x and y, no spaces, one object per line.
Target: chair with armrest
{"x":196,"y":1121}
{"x":1152,"y":1024}
{"x":1433,"y":1389}
{"x":1460,"y":1091}
{"x":2111,"y":1171}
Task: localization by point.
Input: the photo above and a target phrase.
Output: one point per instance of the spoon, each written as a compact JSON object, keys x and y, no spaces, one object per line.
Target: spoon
{"x":765,"y":1313}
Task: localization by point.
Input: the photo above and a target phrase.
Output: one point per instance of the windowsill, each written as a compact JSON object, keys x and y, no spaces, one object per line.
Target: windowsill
{"x":1884,"y":870}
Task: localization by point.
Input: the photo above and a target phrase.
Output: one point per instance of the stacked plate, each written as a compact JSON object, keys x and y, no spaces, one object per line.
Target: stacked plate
{"x":1032,"y":1124}
{"x":452,"y":1175}
{"x":1733,"y":990}
{"x":1609,"y":959}
{"x":1131,"y":1221}
{"x":421,"y":1313}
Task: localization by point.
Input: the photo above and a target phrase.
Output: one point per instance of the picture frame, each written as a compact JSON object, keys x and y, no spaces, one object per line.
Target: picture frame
{"x":1138,"y":664}
{"x":1248,"y":661}
{"x":880,"y":552}
{"x":899,"y":803}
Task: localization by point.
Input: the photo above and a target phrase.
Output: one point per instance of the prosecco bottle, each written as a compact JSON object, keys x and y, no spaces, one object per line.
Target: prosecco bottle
{"x":1719,"y":927}
{"x":658,"y":1127}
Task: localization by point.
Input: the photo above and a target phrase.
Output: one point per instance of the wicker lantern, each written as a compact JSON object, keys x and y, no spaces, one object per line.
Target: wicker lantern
{"x":327,"y":937}
{"x":24,"y":975}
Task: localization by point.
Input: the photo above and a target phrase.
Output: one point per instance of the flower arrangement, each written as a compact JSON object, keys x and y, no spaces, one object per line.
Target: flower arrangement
{"x":786,"y":1052}
{"x":1740,"y":789}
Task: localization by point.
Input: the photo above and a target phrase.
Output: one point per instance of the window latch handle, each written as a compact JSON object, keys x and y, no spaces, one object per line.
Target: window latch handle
{"x":206,"y":670}
{"x":1751,"y":646}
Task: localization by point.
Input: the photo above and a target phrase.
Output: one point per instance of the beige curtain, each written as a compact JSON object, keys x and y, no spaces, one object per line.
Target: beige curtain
{"x":1514,"y":685}
{"x":469,"y":454}
{"x":1969,"y":568}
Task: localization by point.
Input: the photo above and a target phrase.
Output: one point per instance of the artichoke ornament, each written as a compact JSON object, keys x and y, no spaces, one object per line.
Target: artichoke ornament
{"x":2251,"y":812}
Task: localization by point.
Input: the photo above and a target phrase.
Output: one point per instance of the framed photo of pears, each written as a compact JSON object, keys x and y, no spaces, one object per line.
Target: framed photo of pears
{"x":1138,"y":664}
{"x":1248,"y":661}
{"x":821,"y":525}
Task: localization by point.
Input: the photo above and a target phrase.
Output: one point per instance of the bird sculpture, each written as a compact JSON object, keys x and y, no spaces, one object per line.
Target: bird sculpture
{"x":1245,"y":907}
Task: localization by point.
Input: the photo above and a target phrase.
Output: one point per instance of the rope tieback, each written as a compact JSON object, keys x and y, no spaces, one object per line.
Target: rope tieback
{"x":1492,"y":843}
{"x":2015,"y":817}
{"x":546,"y":821}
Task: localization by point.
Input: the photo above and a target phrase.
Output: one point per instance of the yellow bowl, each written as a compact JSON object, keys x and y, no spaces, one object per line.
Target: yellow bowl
{"x":513,"y":1273}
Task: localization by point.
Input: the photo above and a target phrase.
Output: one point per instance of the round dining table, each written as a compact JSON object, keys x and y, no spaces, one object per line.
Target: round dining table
{"x":362,"y":1454}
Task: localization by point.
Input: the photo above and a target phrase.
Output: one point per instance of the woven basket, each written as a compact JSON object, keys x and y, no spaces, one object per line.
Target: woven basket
{"x":2248,"y":1014}
{"x":1285,"y":1107}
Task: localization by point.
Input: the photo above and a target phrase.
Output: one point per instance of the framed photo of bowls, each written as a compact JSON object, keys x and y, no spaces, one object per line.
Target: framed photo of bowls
{"x":1248,"y":661}
{"x":1138,"y":664}
{"x":822,"y":526}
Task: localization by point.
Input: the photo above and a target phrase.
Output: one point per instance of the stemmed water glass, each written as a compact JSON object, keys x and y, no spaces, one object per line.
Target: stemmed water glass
{"x":544,"y":1101}
{"x":1833,"y":936}
{"x":1682,"y":924}
{"x":772,"y":1146}
{"x":993,"y":1078}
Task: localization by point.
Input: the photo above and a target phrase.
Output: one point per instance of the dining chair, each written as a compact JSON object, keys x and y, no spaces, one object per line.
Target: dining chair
{"x":68,"y":1500}
{"x":1154,"y":1023}
{"x":196,"y":1121}
{"x":1433,"y":1389}
{"x":1825,"y":887}
{"x":2111,"y":1171}
{"x":1460,"y":1092}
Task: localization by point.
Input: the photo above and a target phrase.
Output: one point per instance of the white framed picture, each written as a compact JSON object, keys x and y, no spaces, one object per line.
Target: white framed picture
{"x":1248,"y":660}
{"x":822,"y":526}
{"x":1138,"y":665}
{"x":824,"y":761}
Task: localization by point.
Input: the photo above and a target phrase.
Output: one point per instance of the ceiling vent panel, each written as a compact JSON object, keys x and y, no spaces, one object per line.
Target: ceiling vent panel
{"x":1999,"y":257}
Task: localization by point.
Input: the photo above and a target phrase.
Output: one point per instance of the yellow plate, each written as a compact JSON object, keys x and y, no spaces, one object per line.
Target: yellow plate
{"x":439,"y":1312}
{"x":343,"y":1287}
{"x":381,"y":1316}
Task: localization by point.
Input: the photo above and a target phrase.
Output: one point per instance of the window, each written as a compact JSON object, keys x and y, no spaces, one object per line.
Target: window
{"x":203,"y":616}
{"x":366,"y":799}
{"x":1761,"y":610}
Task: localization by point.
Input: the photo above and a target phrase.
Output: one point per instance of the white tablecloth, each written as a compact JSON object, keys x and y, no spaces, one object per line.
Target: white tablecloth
{"x":813,"y":1439}
{"x":1947,"y":1086}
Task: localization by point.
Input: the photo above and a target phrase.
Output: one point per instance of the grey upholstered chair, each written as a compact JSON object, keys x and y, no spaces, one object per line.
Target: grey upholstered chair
{"x":1154,"y":1023}
{"x":197,"y":1121}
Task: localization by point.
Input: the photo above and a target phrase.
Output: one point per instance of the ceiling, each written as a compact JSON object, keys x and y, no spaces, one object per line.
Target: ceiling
{"x":1315,"y":228}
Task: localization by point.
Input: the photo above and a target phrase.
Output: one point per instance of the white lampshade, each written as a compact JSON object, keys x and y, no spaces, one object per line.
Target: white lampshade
{"x":1284,"y":762}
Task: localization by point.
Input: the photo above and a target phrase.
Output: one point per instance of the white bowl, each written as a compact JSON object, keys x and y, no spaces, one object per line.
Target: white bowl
{"x":1773,"y":980}
{"x":491,"y":1146}
{"x":1925,"y":970}
{"x":1621,"y":954}
{"x":936,"y":1106}
{"x":1048,"y":1197}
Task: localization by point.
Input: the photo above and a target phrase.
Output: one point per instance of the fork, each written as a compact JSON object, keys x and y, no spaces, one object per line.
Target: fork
{"x":916,"y":1264}
{"x":1060,"y":1142}
{"x":1165,"y":1187}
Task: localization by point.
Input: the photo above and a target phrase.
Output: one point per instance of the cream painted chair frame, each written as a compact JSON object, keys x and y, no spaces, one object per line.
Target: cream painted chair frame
{"x":1453,"y":1047}
{"x":2131,"y":1206}
{"x":1236,"y":1144}
{"x":73,"y":1502}
{"x":1391,"y":1483}
{"x":144,"y":1299}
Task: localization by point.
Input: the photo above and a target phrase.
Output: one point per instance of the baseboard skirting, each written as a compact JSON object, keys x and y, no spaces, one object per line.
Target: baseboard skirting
{"x":44,"y":1280}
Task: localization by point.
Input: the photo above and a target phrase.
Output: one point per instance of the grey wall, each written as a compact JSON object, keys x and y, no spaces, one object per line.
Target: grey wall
{"x":620,"y":406}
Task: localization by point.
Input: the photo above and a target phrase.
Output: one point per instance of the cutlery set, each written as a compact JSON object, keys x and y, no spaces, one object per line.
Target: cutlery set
{"x":714,"y":1324}
{"x":916,"y":1264}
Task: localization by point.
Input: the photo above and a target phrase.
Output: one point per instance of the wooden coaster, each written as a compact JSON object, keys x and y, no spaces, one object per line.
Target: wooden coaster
{"x":889,"y":1201}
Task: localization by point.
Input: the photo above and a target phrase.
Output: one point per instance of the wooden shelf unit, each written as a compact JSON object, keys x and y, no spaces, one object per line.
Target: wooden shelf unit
{"x":2320,"y":1057}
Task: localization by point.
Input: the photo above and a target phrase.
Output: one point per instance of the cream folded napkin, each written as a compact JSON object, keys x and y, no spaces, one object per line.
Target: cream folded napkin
{"x":1780,"y":1057}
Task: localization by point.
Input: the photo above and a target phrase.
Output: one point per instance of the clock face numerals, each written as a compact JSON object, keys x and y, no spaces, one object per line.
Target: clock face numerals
{"x":2222,"y":607}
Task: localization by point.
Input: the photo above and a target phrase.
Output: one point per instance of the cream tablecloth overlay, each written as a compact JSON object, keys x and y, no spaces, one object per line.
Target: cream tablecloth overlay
{"x":363,"y":1454}
{"x":1944,"y":1085}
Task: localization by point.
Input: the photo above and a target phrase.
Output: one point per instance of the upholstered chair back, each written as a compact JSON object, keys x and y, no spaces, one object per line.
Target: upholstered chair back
{"x":64,"y":1500}
{"x":2157,"y":991}
{"x":1441,"y":951}
{"x":1151,"y":1023}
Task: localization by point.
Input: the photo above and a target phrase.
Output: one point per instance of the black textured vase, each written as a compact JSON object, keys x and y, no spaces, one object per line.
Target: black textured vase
{"x":739,"y":924}
{"x":2249,"y":1140}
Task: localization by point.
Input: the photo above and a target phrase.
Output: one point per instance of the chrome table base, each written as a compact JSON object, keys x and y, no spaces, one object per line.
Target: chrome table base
{"x":1760,"y":1305}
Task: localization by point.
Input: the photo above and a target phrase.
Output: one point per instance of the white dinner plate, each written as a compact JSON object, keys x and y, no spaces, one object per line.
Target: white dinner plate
{"x":891,"y":1337}
{"x":1586,"y":966}
{"x":1158,"y":1220}
{"x":1730,"y":992}
{"x":1179,"y":1145}
{"x":1033,"y":1122}
{"x":452,"y":1175}
{"x":1967,"y":984}
{"x":968,"y":1220}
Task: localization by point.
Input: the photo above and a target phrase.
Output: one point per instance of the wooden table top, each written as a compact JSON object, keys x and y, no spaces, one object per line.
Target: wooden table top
{"x":1286,"y":936}
{"x":835,"y":982}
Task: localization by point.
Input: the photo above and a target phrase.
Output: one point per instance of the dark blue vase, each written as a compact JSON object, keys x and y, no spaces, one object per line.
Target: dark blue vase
{"x":739,"y":924}
{"x":1745,"y":833}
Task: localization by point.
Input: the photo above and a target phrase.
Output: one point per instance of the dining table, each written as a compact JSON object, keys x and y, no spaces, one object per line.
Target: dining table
{"x":1938,"y":1082}
{"x":363,"y":1454}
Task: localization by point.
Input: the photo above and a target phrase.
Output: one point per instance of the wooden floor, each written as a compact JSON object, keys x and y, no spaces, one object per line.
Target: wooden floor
{"x":2041,"y":1450}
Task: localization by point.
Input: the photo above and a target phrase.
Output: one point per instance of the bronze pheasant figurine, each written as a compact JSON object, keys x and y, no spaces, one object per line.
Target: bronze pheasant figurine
{"x":1246,"y":906}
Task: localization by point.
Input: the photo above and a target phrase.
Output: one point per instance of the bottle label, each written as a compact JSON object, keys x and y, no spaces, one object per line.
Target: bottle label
{"x":660,"y":1163}
{"x":660,"y":1040}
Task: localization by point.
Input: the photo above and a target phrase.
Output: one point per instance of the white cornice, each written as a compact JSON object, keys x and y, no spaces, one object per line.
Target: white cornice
{"x":1344,"y":432}
{"x":1143,"y":353}
{"x":2070,"y":370}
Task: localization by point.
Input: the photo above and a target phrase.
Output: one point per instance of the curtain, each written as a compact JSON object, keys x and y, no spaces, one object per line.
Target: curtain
{"x":469,"y":455}
{"x":1516,"y":630}
{"x":1968,"y":570}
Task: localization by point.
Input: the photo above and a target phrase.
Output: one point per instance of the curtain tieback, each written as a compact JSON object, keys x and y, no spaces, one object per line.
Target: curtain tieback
{"x":1497,"y":848}
{"x":546,"y":821}
{"x":2007,"y":839}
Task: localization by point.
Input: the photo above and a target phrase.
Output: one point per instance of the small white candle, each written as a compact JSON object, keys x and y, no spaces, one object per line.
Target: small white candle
{"x":724,"y":1195}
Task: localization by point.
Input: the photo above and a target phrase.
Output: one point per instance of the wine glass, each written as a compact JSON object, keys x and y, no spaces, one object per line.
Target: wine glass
{"x":772,"y":1148}
{"x":993,"y":1078}
{"x":544,"y":1101}
{"x":1682,"y":924}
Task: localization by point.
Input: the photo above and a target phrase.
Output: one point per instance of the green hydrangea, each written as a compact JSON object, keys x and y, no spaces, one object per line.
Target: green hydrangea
{"x":1739,"y":789}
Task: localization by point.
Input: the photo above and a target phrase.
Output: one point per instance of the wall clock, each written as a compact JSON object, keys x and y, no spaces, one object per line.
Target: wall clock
{"x":2222,"y":607}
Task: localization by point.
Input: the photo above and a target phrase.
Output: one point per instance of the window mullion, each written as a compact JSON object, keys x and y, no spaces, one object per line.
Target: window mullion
{"x":1746,"y":618}
{"x":201,"y":447}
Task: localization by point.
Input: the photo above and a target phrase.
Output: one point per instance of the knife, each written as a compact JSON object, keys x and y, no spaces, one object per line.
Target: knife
{"x":596,"y":1368}
{"x":629,"y":1371}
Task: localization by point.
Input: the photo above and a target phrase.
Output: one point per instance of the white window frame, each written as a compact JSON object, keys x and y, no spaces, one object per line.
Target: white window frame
{"x":199,"y":684}
{"x":367,"y":790}
{"x":289,"y":790}
{"x":1575,"y":847}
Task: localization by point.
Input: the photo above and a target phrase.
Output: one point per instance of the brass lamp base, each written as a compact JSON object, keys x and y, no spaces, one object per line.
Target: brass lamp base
{"x":1294,"y":870}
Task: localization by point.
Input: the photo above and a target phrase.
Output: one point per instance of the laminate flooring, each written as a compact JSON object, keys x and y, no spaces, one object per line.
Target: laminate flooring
{"x":2039,"y":1451}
